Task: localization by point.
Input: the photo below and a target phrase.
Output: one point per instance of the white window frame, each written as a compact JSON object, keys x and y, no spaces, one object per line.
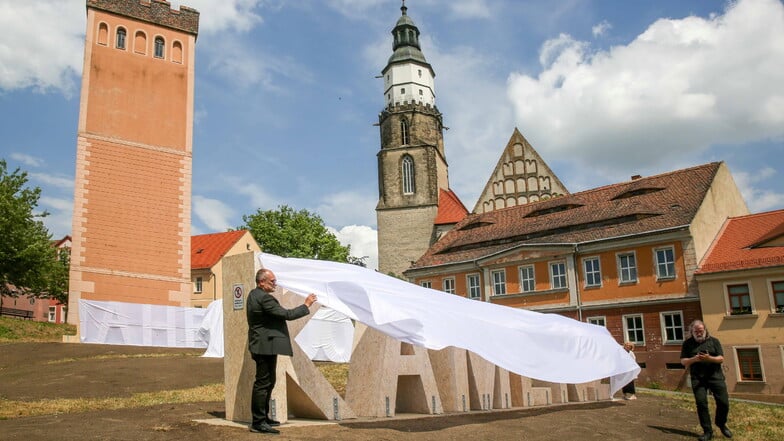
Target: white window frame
{"x":664,"y":327}
{"x":595,"y":319}
{"x":626,"y":329}
{"x":597,"y":272}
{"x":657,"y":264}
{"x":737,"y":364}
{"x":426,"y":284}
{"x":474,"y":290}
{"x":407,"y":170}
{"x":619,"y":257}
{"x":727,"y":302}
{"x":772,"y":295}
{"x":52,"y":317}
{"x":448,"y":285}
{"x":498,"y":283}
{"x":554,"y":277}
{"x":530,"y":281}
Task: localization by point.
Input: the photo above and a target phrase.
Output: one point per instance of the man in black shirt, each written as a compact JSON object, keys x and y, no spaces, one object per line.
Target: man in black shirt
{"x":703,"y":355}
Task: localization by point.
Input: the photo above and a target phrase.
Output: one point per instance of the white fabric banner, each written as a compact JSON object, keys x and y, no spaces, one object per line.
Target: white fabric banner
{"x":211,"y":329}
{"x":136,"y":324}
{"x":547,"y":347}
{"x":328,"y":336}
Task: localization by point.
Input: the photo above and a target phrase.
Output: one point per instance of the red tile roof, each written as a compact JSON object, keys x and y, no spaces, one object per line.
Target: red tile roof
{"x":744,"y":243}
{"x":450,"y":209}
{"x":665,"y":201}
{"x":208,"y":249}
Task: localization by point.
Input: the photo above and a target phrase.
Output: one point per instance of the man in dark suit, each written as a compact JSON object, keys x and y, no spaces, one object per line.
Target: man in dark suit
{"x":268,"y":336}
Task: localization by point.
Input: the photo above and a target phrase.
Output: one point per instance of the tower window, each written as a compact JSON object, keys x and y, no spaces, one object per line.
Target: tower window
{"x":404,"y":138}
{"x":419,"y":71}
{"x":159,"y":47}
{"x":121,"y":34}
{"x":140,"y":43}
{"x":103,"y":33}
{"x":177,"y":52}
{"x":402,"y":90}
{"x":408,"y":175}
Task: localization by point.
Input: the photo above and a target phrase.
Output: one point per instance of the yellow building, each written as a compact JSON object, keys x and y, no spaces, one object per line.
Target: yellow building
{"x":741,"y":284}
{"x":207,"y":253}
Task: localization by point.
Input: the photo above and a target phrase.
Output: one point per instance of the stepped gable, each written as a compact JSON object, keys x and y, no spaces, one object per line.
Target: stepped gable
{"x":642,"y":205}
{"x":208,"y":249}
{"x":450,"y":209}
{"x":520,"y":177}
{"x":747,"y":242}
{"x":154,"y":11}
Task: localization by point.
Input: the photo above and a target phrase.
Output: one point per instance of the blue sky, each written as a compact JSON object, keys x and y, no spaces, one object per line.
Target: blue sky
{"x":286,"y":97}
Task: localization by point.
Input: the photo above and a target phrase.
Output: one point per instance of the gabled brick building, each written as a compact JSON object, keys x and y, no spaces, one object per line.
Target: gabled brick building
{"x":621,"y":256}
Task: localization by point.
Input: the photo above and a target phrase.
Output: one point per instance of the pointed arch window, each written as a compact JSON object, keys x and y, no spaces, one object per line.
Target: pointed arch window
{"x":404,"y":137}
{"x":409,"y":186}
{"x":120,"y":40}
{"x":159,"y":45}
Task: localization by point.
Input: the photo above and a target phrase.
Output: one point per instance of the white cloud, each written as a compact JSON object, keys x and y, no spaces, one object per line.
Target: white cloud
{"x":213,"y":213}
{"x":348,"y":207}
{"x":679,"y":87}
{"x":363,"y":241}
{"x":27,"y":160}
{"x":229,"y":59}
{"x":216,"y":16}
{"x":41,"y":44}
{"x":65,"y":183}
{"x":601,"y":28}
{"x":60,"y":214}
{"x":469,"y":9}
{"x":758,"y":199}
{"x":257,"y":197}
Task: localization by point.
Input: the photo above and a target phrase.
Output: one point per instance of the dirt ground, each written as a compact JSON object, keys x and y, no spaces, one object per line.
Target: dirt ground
{"x":28,"y":374}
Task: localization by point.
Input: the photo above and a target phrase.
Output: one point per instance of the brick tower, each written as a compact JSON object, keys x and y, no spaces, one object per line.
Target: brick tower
{"x":132,"y":195}
{"x":412,"y":167}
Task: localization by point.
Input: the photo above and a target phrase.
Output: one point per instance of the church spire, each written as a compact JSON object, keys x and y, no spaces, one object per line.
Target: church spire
{"x":408,"y":77}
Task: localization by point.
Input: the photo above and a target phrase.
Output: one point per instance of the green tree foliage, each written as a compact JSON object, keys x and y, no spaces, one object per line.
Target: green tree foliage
{"x":289,"y":233}
{"x":27,"y":259}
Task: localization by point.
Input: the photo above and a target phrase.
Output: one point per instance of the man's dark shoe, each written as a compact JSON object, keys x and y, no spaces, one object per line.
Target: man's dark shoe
{"x":706,"y":436}
{"x":272,"y":422}
{"x":725,"y":431}
{"x":263,"y":428}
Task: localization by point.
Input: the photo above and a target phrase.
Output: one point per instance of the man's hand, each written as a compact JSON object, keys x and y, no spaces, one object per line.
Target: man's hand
{"x":311,"y":299}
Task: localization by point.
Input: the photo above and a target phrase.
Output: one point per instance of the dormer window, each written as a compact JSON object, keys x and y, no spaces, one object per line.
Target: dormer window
{"x":637,"y":192}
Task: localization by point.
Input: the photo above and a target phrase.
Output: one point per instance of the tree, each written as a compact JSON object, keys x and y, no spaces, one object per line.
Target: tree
{"x":27,"y":259}
{"x":289,"y":233}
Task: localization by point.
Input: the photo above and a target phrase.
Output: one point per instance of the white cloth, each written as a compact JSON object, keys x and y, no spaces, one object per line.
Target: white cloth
{"x":548,"y":347}
{"x":211,"y":329}
{"x":137,"y":324}
{"x":327,"y":336}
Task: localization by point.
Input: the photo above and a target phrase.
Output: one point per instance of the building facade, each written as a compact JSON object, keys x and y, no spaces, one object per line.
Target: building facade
{"x":622,"y":256}
{"x":741,"y":285}
{"x":207,"y":253}
{"x":132,"y":195}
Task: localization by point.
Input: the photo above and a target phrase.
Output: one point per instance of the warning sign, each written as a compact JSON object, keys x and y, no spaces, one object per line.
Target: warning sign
{"x":239,"y":296}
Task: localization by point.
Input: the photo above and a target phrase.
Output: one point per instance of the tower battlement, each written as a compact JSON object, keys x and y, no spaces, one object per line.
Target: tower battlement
{"x":407,"y":106}
{"x":154,"y":11}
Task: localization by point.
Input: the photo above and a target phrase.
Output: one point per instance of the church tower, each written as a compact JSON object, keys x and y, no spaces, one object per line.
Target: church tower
{"x":412,"y":167}
{"x":132,"y":189}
